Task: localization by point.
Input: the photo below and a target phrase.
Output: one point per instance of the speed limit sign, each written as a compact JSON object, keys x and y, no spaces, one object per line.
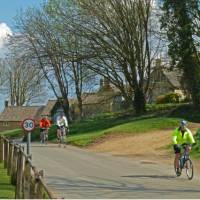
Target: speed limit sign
{"x":28,"y":125}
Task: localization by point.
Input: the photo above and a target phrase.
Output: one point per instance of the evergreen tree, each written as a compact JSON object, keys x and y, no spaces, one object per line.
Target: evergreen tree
{"x":178,"y":21}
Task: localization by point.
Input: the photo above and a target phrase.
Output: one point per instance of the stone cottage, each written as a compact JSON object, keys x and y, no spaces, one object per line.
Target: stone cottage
{"x":107,"y":99}
{"x":163,"y":80}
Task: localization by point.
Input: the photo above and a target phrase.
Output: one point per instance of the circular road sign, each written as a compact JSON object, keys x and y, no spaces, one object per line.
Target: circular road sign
{"x":28,"y":124}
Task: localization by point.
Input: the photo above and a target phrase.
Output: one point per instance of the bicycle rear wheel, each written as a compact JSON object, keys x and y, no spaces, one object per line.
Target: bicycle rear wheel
{"x":42,"y":137}
{"x":189,"y":169}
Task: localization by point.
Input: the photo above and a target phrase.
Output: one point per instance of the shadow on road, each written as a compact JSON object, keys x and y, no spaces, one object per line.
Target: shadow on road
{"x":79,"y":185}
{"x":150,"y":176}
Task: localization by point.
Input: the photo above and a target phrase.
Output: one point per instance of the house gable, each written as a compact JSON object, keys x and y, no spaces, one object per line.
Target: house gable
{"x":162,"y":81}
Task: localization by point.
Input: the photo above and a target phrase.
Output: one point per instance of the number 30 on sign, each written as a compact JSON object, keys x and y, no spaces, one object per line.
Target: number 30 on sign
{"x":28,"y":124}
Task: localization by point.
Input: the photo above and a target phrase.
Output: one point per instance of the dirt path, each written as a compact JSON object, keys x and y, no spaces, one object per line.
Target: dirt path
{"x":149,"y":146}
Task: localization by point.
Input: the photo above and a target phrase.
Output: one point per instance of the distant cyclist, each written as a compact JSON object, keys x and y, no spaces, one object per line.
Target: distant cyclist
{"x":181,"y":135}
{"x":45,"y":124}
{"x":62,"y":125}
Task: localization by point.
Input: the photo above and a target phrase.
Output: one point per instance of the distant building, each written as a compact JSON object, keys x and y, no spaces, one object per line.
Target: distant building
{"x":53,"y":109}
{"x":107,"y":99}
{"x":12,"y":116}
{"x":163,"y":80}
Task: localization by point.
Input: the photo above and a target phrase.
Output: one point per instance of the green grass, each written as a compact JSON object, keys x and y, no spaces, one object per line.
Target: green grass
{"x":134,"y":126}
{"x":7,"y":191}
{"x":83,"y":133}
{"x":195,"y":153}
{"x":13,"y":133}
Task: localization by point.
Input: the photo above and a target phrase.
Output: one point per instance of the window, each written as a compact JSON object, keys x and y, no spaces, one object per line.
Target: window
{"x":5,"y":123}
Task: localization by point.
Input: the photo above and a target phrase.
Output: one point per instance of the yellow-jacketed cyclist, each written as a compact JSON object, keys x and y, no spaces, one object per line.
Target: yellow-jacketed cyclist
{"x":181,"y":135}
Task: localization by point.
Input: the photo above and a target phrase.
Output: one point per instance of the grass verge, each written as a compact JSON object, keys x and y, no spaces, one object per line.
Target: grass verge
{"x":15,"y":133}
{"x":7,"y":191}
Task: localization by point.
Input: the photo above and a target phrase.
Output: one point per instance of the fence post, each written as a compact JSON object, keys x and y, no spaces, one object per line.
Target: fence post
{"x":37,"y":186}
{"x":20,"y":170}
{"x":5,"y":153}
{"x":27,"y":179}
{"x":14,"y":166}
{"x":10,"y":157}
{"x":33,"y":186}
{"x":1,"y":149}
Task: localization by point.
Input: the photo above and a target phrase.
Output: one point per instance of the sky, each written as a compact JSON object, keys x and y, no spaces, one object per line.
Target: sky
{"x":8,"y":10}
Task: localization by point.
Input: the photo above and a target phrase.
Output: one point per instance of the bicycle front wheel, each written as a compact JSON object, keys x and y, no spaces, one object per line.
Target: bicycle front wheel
{"x":178,"y":173}
{"x":189,"y":169}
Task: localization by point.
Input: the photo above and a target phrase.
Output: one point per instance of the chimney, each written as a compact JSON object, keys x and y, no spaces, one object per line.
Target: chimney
{"x":6,"y":103}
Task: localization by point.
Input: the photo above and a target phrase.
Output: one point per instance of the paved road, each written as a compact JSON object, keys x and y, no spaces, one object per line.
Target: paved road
{"x":75,"y":173}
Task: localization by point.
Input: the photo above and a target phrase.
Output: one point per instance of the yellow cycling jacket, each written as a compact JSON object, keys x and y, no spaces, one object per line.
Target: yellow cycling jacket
{"x":177,"y":137}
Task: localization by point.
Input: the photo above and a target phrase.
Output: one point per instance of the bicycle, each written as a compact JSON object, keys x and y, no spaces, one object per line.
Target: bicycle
{"x":44,"y":136}
{"x":62,"y":136}
{"x":185,"y":162}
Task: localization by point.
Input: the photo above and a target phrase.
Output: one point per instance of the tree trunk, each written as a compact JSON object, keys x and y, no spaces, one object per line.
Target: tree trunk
{"x":65,"y":105}
{"x":139,"y":101}
{"x":80,"y":107}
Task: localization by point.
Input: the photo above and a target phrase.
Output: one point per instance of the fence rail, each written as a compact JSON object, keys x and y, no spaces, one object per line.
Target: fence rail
{"x":27,"y":179}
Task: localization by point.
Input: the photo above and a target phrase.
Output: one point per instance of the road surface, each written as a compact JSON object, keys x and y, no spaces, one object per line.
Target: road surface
{"x":77,"y":173}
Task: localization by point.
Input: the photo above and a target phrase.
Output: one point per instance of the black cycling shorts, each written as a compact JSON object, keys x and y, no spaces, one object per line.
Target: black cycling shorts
{"x":42,"y":129}
{"x":177,"y":149}
{"x":60,"y":127}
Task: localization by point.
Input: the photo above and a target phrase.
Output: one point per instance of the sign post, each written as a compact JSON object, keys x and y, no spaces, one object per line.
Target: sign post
{"x":28,"y":143}
{"x":28,"y":125}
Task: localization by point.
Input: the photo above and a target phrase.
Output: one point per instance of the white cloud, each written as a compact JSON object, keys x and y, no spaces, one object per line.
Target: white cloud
{"x":5,"y":31}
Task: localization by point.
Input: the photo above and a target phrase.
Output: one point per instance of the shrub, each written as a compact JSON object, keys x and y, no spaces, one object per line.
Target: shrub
{"x":161,"y":107}
{"x":197,"y":135}
{"x":171,"y":97}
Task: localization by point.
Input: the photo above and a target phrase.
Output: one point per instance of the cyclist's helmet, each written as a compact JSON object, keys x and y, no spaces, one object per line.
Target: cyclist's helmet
{"x":183,"y":123}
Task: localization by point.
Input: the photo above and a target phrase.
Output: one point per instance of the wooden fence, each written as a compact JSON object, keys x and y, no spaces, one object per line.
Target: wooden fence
{"x":27,"y":179}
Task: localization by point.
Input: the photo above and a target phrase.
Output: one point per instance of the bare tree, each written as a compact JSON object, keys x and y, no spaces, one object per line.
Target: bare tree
{"x":22,"y":80}
{"x":63,"y":14}
{"x":110,"y":37}
{"x":46,"y":46}
{"x":120,"y":32}
{"x":56,"y":48}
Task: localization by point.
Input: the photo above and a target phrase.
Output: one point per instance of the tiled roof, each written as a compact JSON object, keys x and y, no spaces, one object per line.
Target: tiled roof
{"x":19,"y":113}
{"x":174,"y":77}
{"x":49,"y":107}
{"x":98,"y":98}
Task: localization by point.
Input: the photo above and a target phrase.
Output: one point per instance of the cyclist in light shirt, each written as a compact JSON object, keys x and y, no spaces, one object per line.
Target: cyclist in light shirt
{"x":62,"y":124}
